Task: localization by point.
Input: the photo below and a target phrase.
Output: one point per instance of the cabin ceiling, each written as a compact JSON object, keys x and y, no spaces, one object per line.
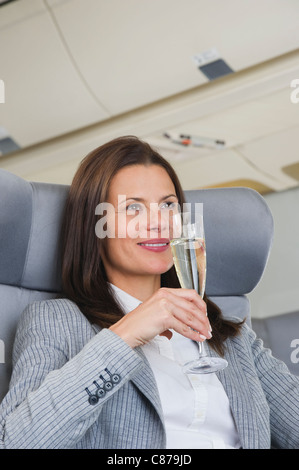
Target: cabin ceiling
{"x":79,"y":72}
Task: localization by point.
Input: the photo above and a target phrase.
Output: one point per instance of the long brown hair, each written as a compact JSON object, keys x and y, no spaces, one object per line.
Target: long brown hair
{"x":84,"y":279}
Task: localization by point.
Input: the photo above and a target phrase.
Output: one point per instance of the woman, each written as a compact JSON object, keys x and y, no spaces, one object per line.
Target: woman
{"x":101,"y":366}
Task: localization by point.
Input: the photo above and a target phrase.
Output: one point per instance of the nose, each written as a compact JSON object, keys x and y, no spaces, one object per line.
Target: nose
{"x":158,"y":220}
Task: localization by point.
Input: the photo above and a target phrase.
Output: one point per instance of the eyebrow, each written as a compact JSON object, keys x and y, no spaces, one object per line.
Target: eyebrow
{"x":140,"y":199}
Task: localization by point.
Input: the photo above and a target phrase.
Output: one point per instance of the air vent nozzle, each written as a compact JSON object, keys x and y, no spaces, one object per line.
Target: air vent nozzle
{"x":216,"y":69}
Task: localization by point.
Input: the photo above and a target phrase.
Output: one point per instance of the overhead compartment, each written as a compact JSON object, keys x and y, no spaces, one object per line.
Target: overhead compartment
{"x":45,"y":95}
{"x":135,"y":52}
{"x":224,"y":168}
{"x":78,"y":73}
{"x":255,"y":116}
{"x":277,"y":155}
{"x":67,"y":64}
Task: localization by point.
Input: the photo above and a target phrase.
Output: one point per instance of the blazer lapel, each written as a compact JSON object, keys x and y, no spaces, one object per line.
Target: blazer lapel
{"x":235,"y":383}
{"x":146,"y":383}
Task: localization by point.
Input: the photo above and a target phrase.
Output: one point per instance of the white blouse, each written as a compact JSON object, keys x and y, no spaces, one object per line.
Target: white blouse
{"x":195,"y":406}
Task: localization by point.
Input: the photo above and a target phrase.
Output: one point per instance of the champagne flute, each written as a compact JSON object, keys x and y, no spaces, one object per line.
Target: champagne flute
{"x":189,"y":255}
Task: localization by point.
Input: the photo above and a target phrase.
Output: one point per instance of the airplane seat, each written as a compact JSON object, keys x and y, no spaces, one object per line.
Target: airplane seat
{"x":30,"y":217}
{"x":238,"y":227}
{"x":239,"y":234}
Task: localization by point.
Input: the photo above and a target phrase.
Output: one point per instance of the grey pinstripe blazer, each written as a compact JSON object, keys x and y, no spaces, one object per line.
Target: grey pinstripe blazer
{"x":59,"y":356}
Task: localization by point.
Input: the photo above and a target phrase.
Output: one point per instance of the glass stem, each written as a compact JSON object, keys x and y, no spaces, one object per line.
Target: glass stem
{"x":201,"y":348}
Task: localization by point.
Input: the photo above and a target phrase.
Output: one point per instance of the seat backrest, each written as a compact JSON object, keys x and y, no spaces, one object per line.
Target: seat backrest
{"x":238,"y":227}
{"x":239,"y":235}
{"x":30,"y":218}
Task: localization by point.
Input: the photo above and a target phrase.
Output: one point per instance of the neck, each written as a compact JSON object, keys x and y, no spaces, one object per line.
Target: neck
{"x":141,"y":288}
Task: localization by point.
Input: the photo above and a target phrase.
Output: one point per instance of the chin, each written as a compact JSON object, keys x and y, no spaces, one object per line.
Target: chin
{"x":160,"y":268}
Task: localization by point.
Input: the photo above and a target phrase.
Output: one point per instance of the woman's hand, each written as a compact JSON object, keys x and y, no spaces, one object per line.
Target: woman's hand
{"x":182,"y":310}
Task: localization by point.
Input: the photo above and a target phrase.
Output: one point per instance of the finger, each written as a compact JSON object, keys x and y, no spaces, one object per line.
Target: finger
{"x":190,"y":318}
{"x":188,"y":294}
{"x":191,"y":315}
{"x":188,"y":312}
{"x":186,"y":331}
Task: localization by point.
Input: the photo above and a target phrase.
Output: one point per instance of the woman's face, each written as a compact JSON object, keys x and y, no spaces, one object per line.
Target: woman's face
{"x":144,"y":199}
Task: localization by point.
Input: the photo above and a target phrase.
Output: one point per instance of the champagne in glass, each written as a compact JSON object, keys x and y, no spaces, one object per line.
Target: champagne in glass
{"x":189,"y":255}
{"x":190,"y":263}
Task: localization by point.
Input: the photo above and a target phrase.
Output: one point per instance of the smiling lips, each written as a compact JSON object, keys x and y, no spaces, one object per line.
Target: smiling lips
{"x":157,"y":244}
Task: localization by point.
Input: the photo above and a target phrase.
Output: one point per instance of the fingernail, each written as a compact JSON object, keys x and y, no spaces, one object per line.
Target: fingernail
{"x":202,"y":337}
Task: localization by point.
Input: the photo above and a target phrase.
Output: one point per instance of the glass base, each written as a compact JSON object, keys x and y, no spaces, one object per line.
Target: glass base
{"x":205,"y":365}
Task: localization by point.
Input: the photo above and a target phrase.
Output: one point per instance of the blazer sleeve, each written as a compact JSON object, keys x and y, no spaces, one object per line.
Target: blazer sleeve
{"x":48,"y":404}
